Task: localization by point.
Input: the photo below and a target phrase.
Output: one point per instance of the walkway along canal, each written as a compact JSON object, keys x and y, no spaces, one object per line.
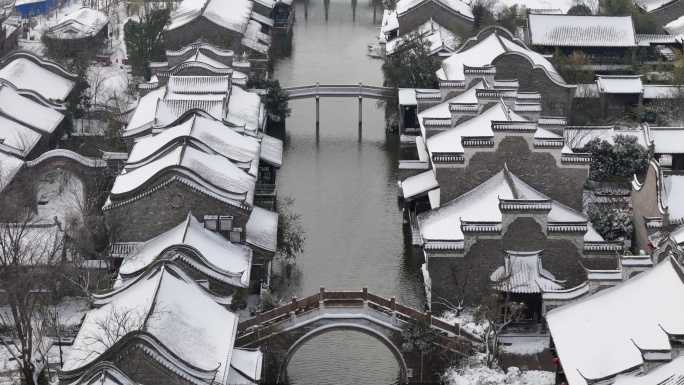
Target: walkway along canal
{"x":343,"y":178}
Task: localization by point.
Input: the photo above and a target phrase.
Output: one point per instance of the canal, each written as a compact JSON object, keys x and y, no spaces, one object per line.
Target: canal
{"x":344,"y":182}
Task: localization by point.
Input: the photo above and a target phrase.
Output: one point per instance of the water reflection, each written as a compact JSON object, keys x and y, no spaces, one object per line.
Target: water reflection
{"x":369,"y":356}
{"x":343,"y":179}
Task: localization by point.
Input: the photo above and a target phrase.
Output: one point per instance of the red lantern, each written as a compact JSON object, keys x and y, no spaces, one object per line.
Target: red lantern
{"x":650,"y":245}
{"x":556,"y":361}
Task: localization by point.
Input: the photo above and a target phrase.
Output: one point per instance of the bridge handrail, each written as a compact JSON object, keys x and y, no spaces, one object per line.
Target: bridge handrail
{"x":362,"y":296}
{"x":314,"y":86}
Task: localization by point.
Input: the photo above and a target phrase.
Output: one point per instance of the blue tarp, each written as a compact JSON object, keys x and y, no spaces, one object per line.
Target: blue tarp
{"x":37,"y":6}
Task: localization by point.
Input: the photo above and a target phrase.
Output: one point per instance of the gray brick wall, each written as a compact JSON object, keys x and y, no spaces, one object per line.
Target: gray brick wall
{"x":469,"y":276}
{"x":538,"y":169}
{"x":202,"y":28}
{"x":153,"y":214}
{"x":513,"y":66}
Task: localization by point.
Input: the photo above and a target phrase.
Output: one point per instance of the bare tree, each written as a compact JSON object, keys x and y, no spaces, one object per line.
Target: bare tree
{"x":30,"y":261}
{"x":577,"y":137}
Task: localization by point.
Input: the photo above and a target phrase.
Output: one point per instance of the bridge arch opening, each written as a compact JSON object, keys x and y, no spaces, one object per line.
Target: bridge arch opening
{"x":395,"y":350}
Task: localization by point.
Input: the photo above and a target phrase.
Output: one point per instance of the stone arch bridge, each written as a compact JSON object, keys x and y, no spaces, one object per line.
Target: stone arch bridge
{"x":291,"y":326}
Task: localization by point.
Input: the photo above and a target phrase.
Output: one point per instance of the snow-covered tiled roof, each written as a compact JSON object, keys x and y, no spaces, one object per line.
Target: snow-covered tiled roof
{"x":438,"y":37}
{"x":671,"y":373}
{"x":256,"y":39}
{"x":668,"y":140}
{"x":208,"y":132}
{"x":613,"y":322}
{"x":390,"y":22}
{"x":230,"y":262}
{"x":187,"y":324}
{"x":652,"y":5}
{"x":169,"y":110}
{"x":245,"y":366}
{"x":212,"y":173}
{"x":202,"y":58}
{"x":675,"y":27}
{"x":581,"y":31}
{"x":458,"y":6}
{"x":242,"y":150}
{"x":522,"y":272}
{"x":484,"y":53}
{"x":561,"y":6}
{"x":198,"y":85}
{"x":245,"y":109}
{"x":16,"y":138}
{"x":27,"y":111}
{"x":81,"y":23}
{"x":578,"y":136}
{"x":407,"y":96}
{"x":201,"y":45}
{"x":481,"y":125}
{"x":143,"y":117}
{"x":233,"y":15}
{"x":262,"y":229}
{"x":24,"y":74}
{"x":619,"y":84}
{"x":419,"y":184}
{"x":272,"y":150}
{"x":9,"y":167}
{"x":481,"y":204}
{"x":658,"y":91}
{"x":654,"y":39}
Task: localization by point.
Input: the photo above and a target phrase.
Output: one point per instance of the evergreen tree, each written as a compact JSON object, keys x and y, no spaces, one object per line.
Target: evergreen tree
{"x":144,"y":39}
{"x":411,"y":65}
{"x":580,"y":10}
{"x":277,"y":100}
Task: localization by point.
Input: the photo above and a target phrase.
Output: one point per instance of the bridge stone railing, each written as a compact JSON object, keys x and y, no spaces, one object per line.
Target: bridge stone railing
{"x":337,"y":90}
{"x":324,"y":302}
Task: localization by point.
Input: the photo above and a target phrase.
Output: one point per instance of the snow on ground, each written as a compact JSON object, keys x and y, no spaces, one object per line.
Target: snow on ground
{"x":61,"y":195}
{"x":9,"y":370}
{"x":466,"y":320}
{"x":44,"y":22}
{"x":71,"y":310}
{"x":526,"y":345}
{"x":109,"y":85}
{"x":475,"y":372}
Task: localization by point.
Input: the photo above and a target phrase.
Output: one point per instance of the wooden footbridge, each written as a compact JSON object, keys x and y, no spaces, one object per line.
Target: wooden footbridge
{"x":318,"y":91}
{"x":292,"y":325}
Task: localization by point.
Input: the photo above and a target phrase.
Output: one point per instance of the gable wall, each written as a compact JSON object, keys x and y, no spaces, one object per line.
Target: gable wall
{"x":153,"y":214}
{"x":645,"y":204}
{"x":419,"y":16}
{"x":537,"y":169}
{"x":202,"y":28}
{"x":535,"y":80}
{"x":450,"y":274}
{"x":668,"y":14}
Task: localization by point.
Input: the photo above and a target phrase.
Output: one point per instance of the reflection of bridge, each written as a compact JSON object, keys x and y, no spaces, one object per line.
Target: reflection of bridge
{"x":338,"y":90}
{"x":288,"y":327}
